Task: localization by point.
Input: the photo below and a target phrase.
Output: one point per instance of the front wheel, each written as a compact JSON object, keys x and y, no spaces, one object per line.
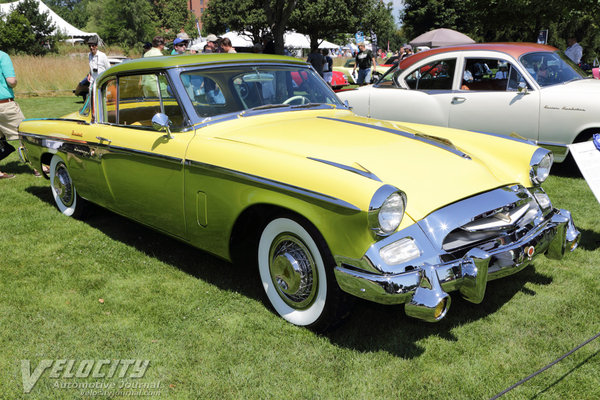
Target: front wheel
{"x":65,"y":195}
{"x":296,"y":272}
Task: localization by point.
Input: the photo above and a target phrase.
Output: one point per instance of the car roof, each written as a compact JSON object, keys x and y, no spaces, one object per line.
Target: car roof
{"x":516,"y":50}
{"x":176,"y":61}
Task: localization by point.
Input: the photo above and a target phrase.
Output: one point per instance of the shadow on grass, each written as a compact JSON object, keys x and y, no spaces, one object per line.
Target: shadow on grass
{"x":16,"y":167}
{"x":567,"y":168}
{"x":370,"y":327}
{"x":590,"y":240}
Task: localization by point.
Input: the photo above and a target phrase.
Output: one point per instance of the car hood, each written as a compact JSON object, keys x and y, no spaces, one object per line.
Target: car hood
{"x":431,"y":173}
{"x":583,"y":85}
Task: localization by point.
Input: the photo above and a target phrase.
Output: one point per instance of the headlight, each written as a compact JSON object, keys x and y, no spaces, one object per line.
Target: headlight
{"x":386,"y":210}
{"x":540,"y":164}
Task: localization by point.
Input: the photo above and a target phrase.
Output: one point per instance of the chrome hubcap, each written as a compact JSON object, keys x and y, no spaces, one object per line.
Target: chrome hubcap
{"x":63,"y":186}
{"x":293,"y":271}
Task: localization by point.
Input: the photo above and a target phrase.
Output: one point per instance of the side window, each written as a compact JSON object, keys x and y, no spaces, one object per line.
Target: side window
{"x":436,"y":75}
{"x":490,"y":74}
{"x":133,"y":100}
{"x":109,"y":101}
{"x":207,"y":93}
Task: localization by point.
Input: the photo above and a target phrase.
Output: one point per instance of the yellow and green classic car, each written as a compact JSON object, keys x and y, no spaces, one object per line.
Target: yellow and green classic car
{"x":253,"y":158}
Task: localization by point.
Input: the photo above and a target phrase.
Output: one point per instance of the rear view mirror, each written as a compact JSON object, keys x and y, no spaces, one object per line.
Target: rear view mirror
{"x":161,"y":123}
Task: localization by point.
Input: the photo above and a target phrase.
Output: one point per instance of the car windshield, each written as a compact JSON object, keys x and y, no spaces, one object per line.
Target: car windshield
{"x":389,"y":79}
{"x":551,"y":68}
{"x":225,"y":90}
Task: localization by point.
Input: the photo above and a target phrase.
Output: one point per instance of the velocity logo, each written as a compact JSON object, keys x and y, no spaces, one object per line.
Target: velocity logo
{"x":71,"y":369}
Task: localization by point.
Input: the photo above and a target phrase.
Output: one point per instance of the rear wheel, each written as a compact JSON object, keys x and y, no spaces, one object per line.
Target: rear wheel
{"x":65,"y":195}
{"x":296,"y":272}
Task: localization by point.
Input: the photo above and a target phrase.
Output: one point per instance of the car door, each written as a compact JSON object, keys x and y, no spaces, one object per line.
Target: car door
{"x":421,"y":94}
{"x":488,"y":98}
{"x":142,"y":167}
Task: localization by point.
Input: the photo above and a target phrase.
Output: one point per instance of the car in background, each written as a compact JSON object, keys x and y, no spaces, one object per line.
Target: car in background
{"x":347,"y":71}
{"x":228,"y":153}
{"x":338,"y":80}
{"x":529,"y":89}
{"x":352,"y":76}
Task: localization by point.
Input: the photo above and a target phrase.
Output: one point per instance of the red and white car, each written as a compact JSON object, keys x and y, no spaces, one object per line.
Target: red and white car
{"x":500,"y":88}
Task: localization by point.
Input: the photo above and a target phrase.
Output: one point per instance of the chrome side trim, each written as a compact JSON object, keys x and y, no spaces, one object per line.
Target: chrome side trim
{"x":361,"y":172}
{"x":323,"y":199}
{"x":403,"y":134}
{"x":59,"y":119}
{"x":124,"y":150}
{"x":55,"y":143}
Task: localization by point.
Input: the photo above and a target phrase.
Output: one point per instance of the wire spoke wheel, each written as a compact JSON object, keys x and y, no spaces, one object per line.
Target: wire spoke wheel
{"x":292,"y":272}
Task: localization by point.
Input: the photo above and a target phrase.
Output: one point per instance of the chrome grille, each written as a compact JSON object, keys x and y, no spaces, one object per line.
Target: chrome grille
{"x":493,"y":228}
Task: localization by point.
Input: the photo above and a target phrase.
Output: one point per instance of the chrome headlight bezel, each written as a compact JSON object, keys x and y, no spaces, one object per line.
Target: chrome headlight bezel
{"x":387,"y":201}
{"x":540,"y":165}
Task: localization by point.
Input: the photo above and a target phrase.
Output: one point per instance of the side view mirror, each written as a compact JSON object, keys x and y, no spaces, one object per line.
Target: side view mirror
{"x":161,"y":123}
{"x":522,"y":88}
{"x":347,"y":105}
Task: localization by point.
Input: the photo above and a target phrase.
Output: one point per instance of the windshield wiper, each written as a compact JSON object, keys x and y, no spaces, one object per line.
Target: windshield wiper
{"x":268,"y":106}
{"x":309,"y":105}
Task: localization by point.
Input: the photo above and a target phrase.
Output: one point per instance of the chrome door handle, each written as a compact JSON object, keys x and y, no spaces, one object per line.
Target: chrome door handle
{"x":456,"y":100}
{"x":103,"y":139}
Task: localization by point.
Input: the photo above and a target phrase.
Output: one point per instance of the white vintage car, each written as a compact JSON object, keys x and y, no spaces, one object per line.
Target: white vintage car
{"x":498,"y":88}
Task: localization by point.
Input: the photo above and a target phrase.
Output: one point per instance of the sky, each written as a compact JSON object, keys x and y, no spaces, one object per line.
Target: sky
{"x":397,"y":5}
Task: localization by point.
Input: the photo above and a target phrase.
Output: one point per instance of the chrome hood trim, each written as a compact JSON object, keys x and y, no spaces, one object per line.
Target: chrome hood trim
{"x":362,"y":171}
{"x":420,"y":137}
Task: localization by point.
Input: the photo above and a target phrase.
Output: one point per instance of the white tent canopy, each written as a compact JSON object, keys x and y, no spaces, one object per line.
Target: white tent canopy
{"x":239,"y":39}
{"x":291,"y":39}
{"x":297,"y":40}
{"x":328,"y":45}
{"x":61,"y":25}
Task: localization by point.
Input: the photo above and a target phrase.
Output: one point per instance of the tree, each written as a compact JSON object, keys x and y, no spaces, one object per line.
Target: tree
{"x":173,"y":16}
{"x":321,"y":19}
{"x":15,"y":33}
{"x":72,"y":11}
{"x":26,"y":30}
{"x":127,"y":23}
{"x":237,"y":15}
{"x":378,"y":19}
{"x":508,"y":20}
{"x":255,"y":16}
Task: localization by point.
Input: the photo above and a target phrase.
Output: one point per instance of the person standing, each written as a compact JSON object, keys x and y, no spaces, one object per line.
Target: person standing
{"x":98,"y":60}
{"x":226,"y":46}
{"x":364,"y":60}
{"x":327,"y":67}
{"x":316,"y":59}
{"x":10,"y":112}
{"x":574,"y":51}
{"x":211,"y":44}
{"x":179,"y":46}
{"x":158,"y":45}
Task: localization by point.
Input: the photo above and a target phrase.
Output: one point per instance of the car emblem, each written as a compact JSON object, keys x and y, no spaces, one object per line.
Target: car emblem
{"x":503,"y":217}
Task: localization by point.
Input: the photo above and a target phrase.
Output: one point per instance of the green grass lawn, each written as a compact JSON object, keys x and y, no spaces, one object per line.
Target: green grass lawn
{"x":108,"y":288}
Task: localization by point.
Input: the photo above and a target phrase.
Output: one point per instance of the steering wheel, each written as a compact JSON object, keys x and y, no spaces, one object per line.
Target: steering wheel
{"x":303,"y":100}
{"x":243,"y":89}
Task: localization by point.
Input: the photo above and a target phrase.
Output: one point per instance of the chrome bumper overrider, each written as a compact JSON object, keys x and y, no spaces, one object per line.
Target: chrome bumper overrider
{"x":424,"y":288}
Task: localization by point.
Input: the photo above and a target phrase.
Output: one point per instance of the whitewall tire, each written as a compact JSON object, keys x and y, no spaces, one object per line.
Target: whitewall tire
{"x":65,"y":195}
{"x":293,"y":272}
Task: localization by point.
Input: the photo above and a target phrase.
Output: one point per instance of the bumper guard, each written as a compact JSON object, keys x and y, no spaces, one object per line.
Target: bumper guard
{"x":424,"y":289}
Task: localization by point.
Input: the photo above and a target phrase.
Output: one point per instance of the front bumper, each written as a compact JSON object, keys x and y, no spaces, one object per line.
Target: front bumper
{"x":423,"y":287}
